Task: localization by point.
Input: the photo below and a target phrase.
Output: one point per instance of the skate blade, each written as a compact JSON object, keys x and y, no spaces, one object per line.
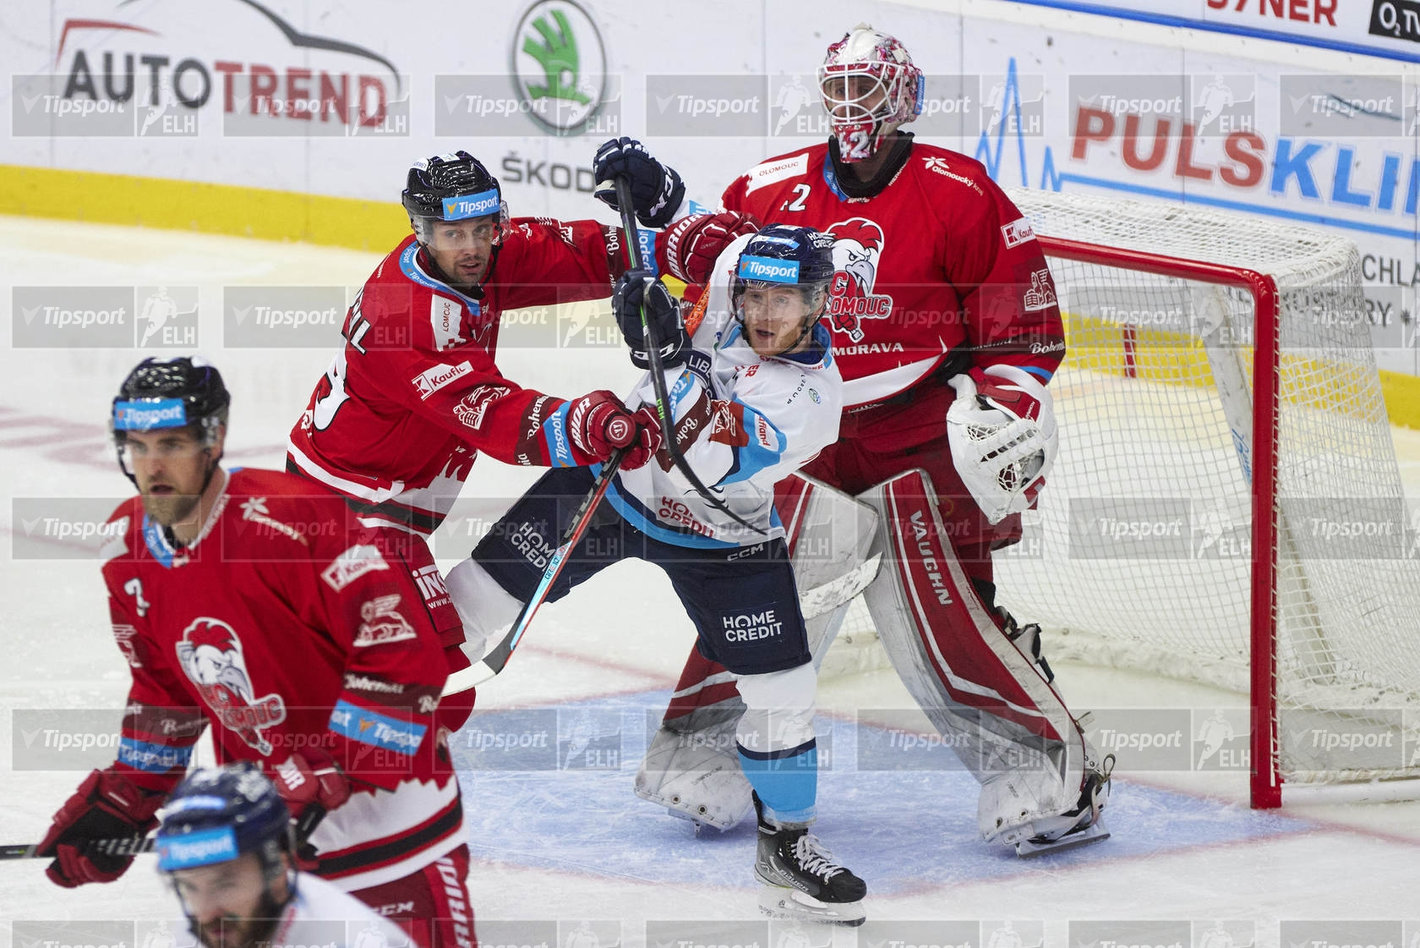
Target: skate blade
{"x":1094,"y":833}
{"x":792,"y":905}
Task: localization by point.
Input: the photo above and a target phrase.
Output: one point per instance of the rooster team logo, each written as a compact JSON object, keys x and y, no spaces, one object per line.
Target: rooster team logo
{"x":211,"y":654}
{"x":857,"y":248}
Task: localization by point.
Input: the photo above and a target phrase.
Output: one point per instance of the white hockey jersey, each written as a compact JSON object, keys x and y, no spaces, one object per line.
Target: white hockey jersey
{"x":322,"y":915}
{"x":743,"y":422}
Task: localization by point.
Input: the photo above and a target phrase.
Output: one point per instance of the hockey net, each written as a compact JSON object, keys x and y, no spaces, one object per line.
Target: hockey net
{"x":1220,"y":397}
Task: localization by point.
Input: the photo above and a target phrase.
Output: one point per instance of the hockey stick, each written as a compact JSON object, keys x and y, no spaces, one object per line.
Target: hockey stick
{"x":658,"y":369}
{"x":118,"y":846}
{"x":493,"y":663}
{"x":135,"y":845}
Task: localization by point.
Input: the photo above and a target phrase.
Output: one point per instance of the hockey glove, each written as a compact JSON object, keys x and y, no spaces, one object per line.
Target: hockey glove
{"x":637,"y":288}
{"x":690,"y":246}
{"x":1001,"y":429}
{"x":655,"y":189}
{"x":106,"y":807}
{"x":599,"y":425}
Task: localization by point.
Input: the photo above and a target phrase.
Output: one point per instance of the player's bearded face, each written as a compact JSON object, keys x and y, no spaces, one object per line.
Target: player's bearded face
{"x":170,"y":468}
{"x":774,"y":319}
{"x":462,"y":249}
{"x":230,"y":904}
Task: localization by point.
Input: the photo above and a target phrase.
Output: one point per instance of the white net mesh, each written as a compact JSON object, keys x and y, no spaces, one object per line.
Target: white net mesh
{"x":1141,"y":548}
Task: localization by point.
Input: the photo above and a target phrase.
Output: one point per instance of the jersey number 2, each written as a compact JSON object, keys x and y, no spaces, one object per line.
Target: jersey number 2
{"x":796,"y":203}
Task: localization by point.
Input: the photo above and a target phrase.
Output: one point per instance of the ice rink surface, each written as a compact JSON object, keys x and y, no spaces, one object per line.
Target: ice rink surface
{"x":561,"y":847}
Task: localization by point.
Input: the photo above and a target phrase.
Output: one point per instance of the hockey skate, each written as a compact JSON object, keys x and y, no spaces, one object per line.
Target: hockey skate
{"x":1077,"y":827}
{"x":803,"y":882}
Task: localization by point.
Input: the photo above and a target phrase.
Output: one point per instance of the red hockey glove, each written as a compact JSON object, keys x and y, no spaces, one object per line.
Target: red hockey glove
{"x":598,"y":424}
{"x":312,"y":785}
{"x":107,"y":806}
{"x":689,"y":247}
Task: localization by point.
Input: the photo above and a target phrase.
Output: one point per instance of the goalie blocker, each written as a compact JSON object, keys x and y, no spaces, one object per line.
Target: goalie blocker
{"x":1043,"y":786}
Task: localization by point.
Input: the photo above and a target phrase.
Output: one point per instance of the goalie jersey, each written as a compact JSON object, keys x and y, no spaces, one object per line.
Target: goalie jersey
{"x":743,"y":422}
{"x":285,"y":628}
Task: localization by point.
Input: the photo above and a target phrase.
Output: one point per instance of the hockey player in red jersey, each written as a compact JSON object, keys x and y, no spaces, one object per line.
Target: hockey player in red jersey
{"x":946,"y":327}
{"x":415,"y":393}
{"x":250,"y":602}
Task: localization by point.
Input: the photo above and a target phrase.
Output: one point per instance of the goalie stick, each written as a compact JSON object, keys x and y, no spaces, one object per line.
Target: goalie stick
{"x":658,"y":369}
{"x":493,"y":663}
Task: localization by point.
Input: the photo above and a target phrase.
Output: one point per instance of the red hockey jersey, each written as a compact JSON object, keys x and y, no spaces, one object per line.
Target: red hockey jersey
{"x":285,"y":628}
{"x":938,"y":264}
{"x":415,"y":394}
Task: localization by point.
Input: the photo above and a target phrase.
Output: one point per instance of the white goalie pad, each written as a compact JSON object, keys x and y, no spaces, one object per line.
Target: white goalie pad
{"x":999,"y":715}
{"x":692,"y":768}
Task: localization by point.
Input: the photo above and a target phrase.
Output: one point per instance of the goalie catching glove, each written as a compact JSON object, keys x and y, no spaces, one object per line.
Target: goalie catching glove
{"x":655,"y":189}
{"x":1002,"y":433}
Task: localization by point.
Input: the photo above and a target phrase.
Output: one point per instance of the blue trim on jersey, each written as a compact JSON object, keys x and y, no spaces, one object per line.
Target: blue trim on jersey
{"x":635,"y":513}
{"x":409,"y":266}
{"x":377,"y":730}
{"x":754,"y":457}
{"x":198,"y":848}
{"x":647,"y":240}
{"x":152,"y":758}
{"x":554,"y":434}
{"x":157,"y":544}
{"x":786,"y":781}
{"x":1042,"y":374}
{"x":831,"y":179}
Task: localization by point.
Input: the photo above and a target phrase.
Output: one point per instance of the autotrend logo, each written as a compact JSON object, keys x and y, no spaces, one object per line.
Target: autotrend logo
{"x":559,"y":66}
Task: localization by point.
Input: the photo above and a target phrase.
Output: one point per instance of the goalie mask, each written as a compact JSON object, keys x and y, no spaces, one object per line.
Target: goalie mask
{"x":779,"y":289}
{"x":869,"y":88}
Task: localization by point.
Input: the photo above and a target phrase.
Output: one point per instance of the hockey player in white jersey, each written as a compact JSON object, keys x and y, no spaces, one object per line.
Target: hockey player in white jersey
{"x":226,"y":844}
{"x":755,"y":394}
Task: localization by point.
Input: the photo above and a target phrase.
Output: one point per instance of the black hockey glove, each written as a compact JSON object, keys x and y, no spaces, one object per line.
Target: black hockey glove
{"x":637,"y":288}
{"x":655,"y":189}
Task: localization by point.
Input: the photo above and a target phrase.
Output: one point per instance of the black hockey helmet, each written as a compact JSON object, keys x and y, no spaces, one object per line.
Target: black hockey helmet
{"x":451,"y":187}
{"x":170,"y":393}
{"x":218,"y":813}
{"x":781,"y":255}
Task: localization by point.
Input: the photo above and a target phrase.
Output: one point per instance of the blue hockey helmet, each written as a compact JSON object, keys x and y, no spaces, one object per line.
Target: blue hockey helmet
{"x":781,"y":255}
{"x":217,"y":814}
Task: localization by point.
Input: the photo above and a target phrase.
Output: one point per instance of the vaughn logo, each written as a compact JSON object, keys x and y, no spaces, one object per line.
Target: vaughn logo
{"x":558,"y":64}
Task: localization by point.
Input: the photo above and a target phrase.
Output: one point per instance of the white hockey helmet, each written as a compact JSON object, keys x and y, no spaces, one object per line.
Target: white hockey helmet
{"x":869,"y":88}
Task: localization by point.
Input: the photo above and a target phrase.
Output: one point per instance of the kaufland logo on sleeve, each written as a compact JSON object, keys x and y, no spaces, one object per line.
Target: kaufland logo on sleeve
{"x":470,"y":205}
{"x":769,"y":269}
{"x":429,"y":381}
{"x":145,"y":416}
{"x":1017,"y":232}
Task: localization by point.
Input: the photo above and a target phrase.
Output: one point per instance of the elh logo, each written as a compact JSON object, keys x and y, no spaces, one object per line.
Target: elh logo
{"x":166,"y":317}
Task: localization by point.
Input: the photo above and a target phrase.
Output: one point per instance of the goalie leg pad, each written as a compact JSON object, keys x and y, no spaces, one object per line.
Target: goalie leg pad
{"x":999,"y":714}
{"x":829,"y":535}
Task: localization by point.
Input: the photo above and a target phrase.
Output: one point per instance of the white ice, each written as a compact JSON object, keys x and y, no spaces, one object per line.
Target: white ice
{"x":569,"y":844}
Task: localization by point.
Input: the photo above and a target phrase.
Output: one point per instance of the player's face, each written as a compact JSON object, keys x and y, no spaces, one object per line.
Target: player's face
{"x":774,"y":318}
{"x":170,"y":467}
{"x":853,"y":97}
{"x":462,"y":249}
{"x":230,"y":903}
